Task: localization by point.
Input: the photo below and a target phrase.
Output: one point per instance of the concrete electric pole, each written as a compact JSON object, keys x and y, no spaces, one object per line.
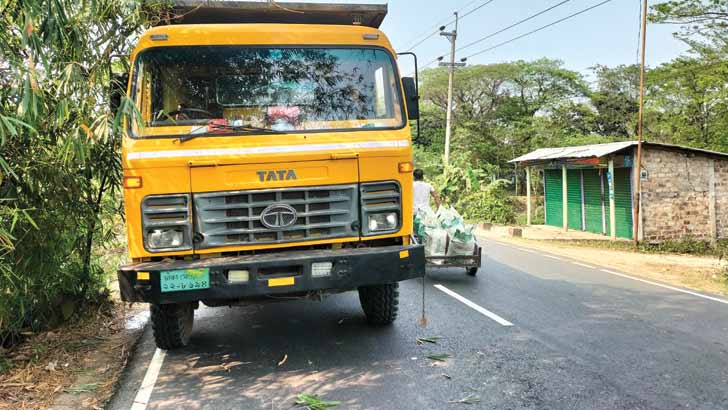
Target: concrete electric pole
{"x":451,"y":36}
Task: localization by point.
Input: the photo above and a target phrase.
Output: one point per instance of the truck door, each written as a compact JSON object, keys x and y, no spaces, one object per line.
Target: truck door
{"x":264,"y":203}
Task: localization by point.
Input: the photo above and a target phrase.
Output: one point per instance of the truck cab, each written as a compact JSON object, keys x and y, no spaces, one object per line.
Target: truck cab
{"x":267,"y":154}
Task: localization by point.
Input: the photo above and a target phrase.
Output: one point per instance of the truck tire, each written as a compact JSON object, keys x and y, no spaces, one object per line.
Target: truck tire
{"x":172,"y":324}
{"x":380,"y":303}
{"x":472,"y":271}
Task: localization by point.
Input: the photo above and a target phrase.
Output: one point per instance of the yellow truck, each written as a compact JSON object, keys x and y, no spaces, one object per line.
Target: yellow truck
{"x":269,"y":158}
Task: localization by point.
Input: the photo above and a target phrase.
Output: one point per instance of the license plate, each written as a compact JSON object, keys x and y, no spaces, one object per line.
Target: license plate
{"x":184,"y":279}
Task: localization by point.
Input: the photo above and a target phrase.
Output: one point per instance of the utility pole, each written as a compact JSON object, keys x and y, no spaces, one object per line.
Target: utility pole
{"x":451,"y":36}
{"x":638,"y":165}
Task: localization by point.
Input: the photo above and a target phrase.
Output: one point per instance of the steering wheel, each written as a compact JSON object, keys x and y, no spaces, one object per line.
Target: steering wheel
{"x":190,"y":114}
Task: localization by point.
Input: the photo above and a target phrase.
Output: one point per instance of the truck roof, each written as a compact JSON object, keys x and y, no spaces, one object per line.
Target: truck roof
{"x":216,"y":12}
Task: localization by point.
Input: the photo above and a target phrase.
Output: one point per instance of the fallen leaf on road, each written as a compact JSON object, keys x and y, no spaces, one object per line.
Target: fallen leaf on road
{"x":469,"y":399}
{"x":312,"y":402}
{"x":285,"y":358}
{"x":440,"y":357}
{"x":447,"y":376}
{"x":431,"y":339}
{"x":230,"y":365}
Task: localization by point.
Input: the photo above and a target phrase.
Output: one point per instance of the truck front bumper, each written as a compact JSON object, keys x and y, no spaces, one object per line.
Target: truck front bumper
{"x":351,"y":268}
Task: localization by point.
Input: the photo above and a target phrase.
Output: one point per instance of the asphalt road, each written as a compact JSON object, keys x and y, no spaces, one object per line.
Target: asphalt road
{"x":581,"y":338}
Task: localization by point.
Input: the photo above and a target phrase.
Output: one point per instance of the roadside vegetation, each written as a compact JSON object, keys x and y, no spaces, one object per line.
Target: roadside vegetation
{"x":60,"y":167}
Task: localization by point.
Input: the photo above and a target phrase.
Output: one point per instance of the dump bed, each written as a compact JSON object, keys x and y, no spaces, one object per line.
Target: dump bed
{"x":217,"y":12}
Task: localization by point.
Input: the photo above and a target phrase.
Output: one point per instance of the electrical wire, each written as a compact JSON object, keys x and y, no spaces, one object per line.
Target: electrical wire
{"x":495,"y":33}
{"x":445,"y":22}
{"x":476,"y":9}
{"x":452,"y":20}
{"x":570,"y":16}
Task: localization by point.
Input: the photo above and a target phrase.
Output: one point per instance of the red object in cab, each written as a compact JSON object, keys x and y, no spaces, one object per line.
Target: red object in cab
{"x":218,"y":126}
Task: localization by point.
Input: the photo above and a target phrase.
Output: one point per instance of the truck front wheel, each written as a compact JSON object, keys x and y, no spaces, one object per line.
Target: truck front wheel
{"x":172,"y":324}
{"x":380,"y":303}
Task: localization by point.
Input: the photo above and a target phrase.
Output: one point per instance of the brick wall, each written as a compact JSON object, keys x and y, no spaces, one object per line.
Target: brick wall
{"x":721,"y":197}
{"x":675,"y":199}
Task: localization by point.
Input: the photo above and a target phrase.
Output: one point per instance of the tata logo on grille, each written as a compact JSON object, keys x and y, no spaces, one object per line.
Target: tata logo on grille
{"x":278,"y":216}
{"x":276,"y":175}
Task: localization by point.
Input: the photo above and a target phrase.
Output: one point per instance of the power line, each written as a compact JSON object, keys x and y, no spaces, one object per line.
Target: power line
{"x":476,"y":9}
{"x":450,"y":22}
{"x":445,"y":22}
{"x":570,"y":16}
{"x":513,"y":25}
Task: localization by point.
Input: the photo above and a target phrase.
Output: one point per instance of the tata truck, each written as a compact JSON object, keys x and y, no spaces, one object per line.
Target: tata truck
{"x":268,"y":158}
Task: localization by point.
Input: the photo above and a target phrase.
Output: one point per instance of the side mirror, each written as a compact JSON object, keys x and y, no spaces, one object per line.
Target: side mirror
{"x":118,"y":90}
{"x":411,"y":97}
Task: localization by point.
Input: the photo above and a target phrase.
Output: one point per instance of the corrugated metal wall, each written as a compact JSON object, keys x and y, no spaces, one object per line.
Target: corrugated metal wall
{"x":595,"y":206}
{"x":553,"y":192}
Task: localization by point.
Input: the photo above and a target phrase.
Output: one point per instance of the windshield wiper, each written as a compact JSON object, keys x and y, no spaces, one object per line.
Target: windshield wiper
{"x":211,"y":130}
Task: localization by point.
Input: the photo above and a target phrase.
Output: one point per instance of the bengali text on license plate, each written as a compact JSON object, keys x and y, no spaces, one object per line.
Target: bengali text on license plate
{"x":184,"y":279}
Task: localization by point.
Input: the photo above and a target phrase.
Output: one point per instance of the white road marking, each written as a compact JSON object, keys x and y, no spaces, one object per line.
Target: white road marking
{"x":552,"y":257}
{"x":150,"y":379}
{"x":583,"y":264}
{"x":700,"y":295}
{"x":473,"y":305}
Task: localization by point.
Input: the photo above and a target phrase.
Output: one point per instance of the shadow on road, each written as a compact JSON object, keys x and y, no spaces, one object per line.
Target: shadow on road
{"x":323,"y":348}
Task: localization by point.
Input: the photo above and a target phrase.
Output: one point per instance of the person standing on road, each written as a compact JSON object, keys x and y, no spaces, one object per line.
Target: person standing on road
{"x":422,"y":191}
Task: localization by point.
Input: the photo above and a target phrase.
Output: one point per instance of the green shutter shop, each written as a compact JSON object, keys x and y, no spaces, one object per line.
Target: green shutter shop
{"x":583,"y":201}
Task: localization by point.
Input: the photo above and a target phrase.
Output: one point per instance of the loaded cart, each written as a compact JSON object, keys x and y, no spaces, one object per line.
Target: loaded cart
{"x":471,"y":263}
{"x":448,"y":240}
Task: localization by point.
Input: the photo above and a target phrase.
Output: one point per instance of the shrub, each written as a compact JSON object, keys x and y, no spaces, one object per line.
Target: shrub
{"x":492,"y":204}
{"x":685,"y":246}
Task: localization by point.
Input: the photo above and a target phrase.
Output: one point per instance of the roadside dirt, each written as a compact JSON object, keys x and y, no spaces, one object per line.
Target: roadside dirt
{"x":73,"y":367}
{"x":702,"y":273}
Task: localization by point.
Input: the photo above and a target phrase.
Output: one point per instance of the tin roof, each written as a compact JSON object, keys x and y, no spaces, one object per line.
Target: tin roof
{"x":599,"y":150}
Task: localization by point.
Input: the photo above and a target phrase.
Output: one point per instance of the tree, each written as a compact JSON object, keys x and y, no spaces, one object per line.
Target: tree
{"x":616,"y":99}
{"x":60,"y":148}
{"x":691,"y":101}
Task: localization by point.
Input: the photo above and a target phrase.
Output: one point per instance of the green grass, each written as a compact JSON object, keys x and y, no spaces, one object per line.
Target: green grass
{"x":684,"y":246}
{"x":5,"y":365}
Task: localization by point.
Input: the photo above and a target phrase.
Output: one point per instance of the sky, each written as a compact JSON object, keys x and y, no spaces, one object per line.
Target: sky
{"x":606,"y":35}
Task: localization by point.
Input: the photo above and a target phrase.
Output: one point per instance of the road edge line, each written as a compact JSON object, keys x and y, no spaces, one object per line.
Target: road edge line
{"x":689,"y":292}
{"x":141,"y":400}
{"x":583,"y":265}
{"x":473,"y":305}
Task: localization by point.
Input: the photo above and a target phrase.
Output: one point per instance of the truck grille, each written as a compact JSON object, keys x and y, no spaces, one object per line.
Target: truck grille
{"x":233,"y":217}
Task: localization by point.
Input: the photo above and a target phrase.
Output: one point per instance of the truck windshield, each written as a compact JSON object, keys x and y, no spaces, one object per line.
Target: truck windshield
{"x":219,"y":89}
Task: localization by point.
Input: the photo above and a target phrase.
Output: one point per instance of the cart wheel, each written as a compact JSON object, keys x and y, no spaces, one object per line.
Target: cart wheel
{"x":472,"y":271}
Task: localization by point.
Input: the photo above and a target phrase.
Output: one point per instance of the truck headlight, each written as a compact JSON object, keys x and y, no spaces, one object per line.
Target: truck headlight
{"x":165,"y":238}
{"x":386,"y":221}
{"x":166,"y":222}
